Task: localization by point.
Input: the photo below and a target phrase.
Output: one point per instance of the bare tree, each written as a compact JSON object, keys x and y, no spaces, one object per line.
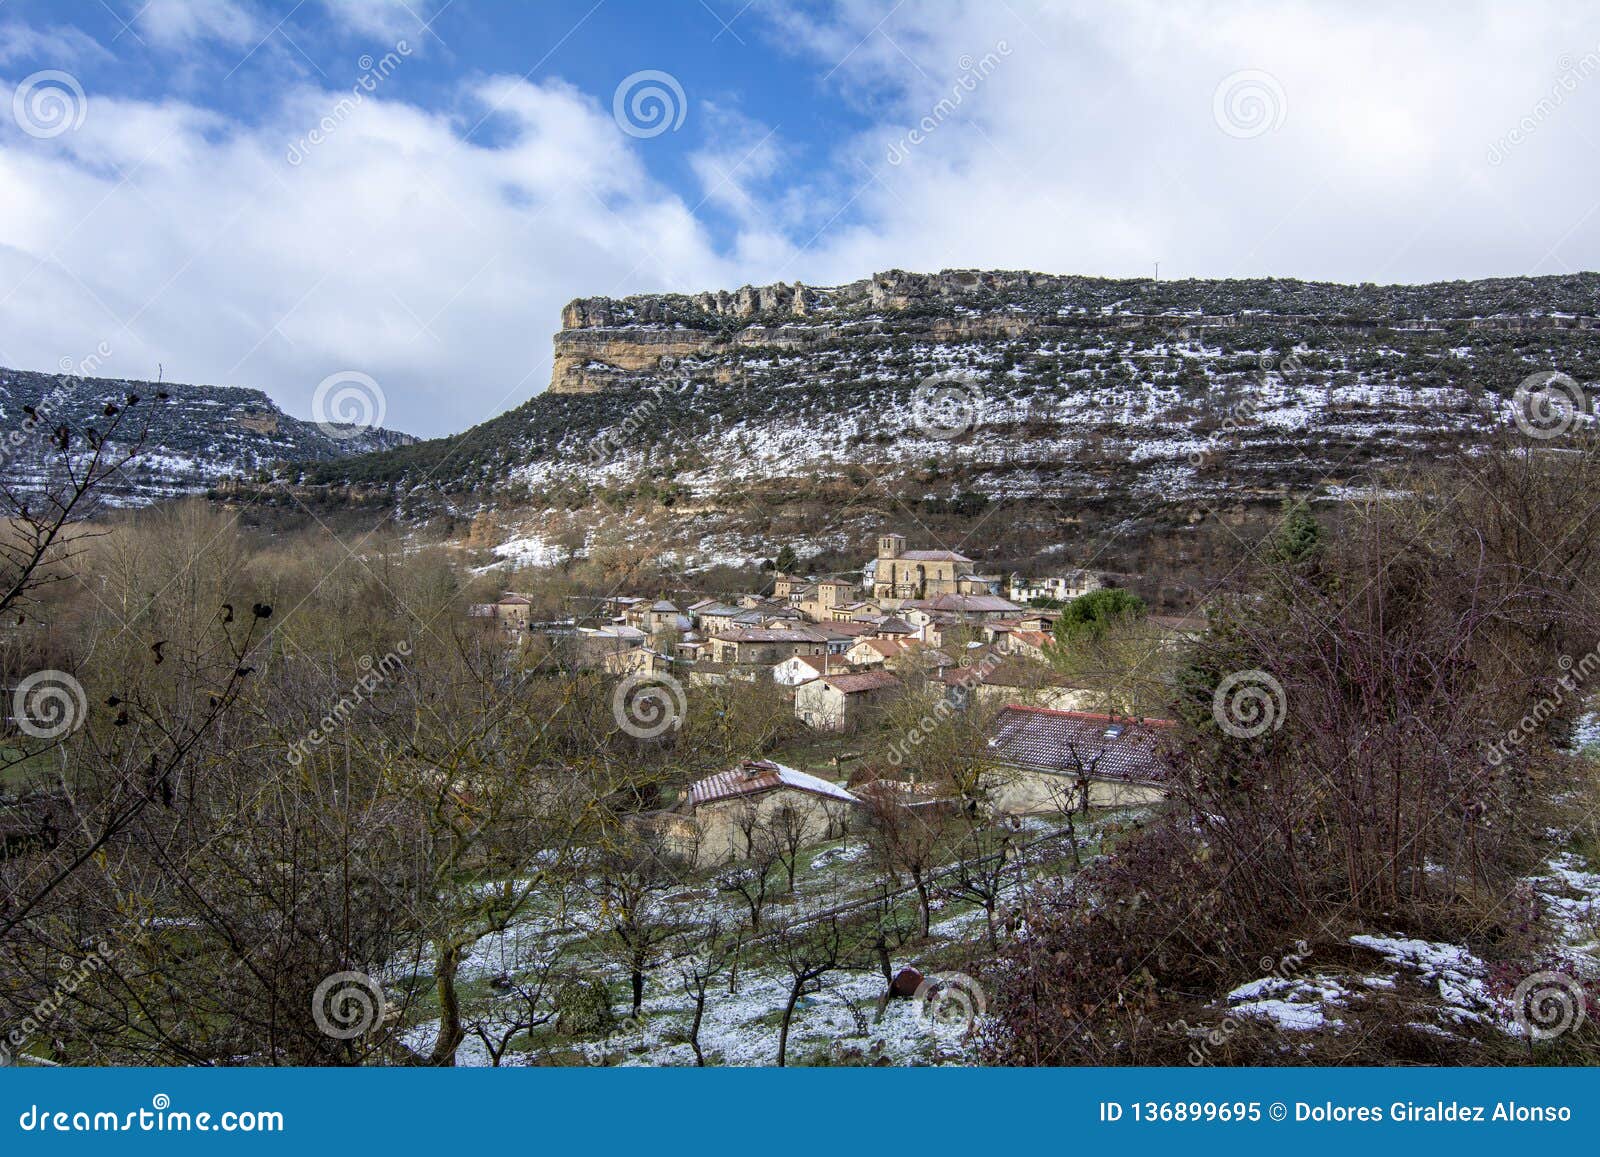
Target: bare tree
{"x":809,"y":953}
{"x":713,"y":953}
{"x":908,"y":838}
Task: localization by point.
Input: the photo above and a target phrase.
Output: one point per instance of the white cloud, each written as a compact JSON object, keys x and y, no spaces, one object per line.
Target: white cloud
{"x":395,"y":247}
{"x":384,"y":20}
{"x":1092,"y":146}
{"x":63,"y":46}
{"x":180,"y":23}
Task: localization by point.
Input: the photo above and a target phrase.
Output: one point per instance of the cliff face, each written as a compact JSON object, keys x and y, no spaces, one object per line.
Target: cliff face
{"x":1121,"y":396}
{"x":605,"y":340}
{"x":620,"y":344}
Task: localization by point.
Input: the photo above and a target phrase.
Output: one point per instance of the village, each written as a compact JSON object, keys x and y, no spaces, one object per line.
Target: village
{"x":845,"y":649}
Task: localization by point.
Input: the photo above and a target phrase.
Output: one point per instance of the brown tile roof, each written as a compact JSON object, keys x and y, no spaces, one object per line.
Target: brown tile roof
{"x":766,"y":635}
{"x":865,"y":681}
{"x":884,"y":647}
{"x":1070,"y":742}
{"x":754,"y":776}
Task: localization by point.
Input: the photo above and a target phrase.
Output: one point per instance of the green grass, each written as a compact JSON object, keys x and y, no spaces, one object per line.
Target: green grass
{"x":30,"y":773}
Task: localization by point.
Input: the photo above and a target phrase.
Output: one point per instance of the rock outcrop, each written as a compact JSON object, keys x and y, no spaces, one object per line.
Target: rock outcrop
{"x":617,"y":344}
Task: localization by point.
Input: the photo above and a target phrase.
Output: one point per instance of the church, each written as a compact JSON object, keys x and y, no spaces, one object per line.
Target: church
{"x":901,"y":575}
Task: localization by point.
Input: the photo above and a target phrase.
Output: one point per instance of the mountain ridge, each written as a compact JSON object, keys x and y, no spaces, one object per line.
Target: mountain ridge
{"x":197,"y":436}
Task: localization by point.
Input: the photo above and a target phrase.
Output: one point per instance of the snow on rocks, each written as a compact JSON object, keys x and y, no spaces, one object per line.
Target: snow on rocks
{"x":1460,"y":978}
{"x":1291,"y":1003}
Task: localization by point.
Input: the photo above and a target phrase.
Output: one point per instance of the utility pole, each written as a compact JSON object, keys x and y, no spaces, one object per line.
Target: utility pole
{"x":1158,"y":270}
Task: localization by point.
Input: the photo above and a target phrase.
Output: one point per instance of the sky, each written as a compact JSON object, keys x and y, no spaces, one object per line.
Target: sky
{"x":279,"y":194}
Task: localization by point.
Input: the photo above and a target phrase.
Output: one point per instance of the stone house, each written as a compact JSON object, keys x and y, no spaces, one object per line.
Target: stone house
{"x":1029,"y":644}
{"x":873,"y":652}
{"x":729,"y":810}
{"x":837,"y":702}
{"x":510,"y":616}
{"x":1062,"y":588}
{"x":1048,"y":760}
{"x":826,"y":594}
{"x":598,"y":646}
{"x":764,"y":645}
{"x":990,"y":678}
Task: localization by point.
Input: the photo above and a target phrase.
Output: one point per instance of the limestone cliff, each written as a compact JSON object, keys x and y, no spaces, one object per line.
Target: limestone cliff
{"x":620,"y":344}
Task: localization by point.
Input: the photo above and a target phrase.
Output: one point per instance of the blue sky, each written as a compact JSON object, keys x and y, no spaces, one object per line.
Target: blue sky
{"x":237,"y":58}
{"x":265,"y":193}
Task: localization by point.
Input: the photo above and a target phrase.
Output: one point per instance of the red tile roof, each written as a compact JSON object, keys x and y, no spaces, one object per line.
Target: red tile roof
{"x":754,"y":776}
{"x":1070,"y":742}
{"x":865,"y":681}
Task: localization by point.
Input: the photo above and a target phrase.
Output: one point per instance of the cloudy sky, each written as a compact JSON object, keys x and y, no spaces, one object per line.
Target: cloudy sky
{"x":266,"y":193}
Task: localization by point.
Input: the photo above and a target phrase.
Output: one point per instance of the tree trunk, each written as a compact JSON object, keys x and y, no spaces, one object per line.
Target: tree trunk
{"x":638,"y":991}
{"x":451,"y":1034}
{"x":788,"y":1015}
{"x":694,"y":1029}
